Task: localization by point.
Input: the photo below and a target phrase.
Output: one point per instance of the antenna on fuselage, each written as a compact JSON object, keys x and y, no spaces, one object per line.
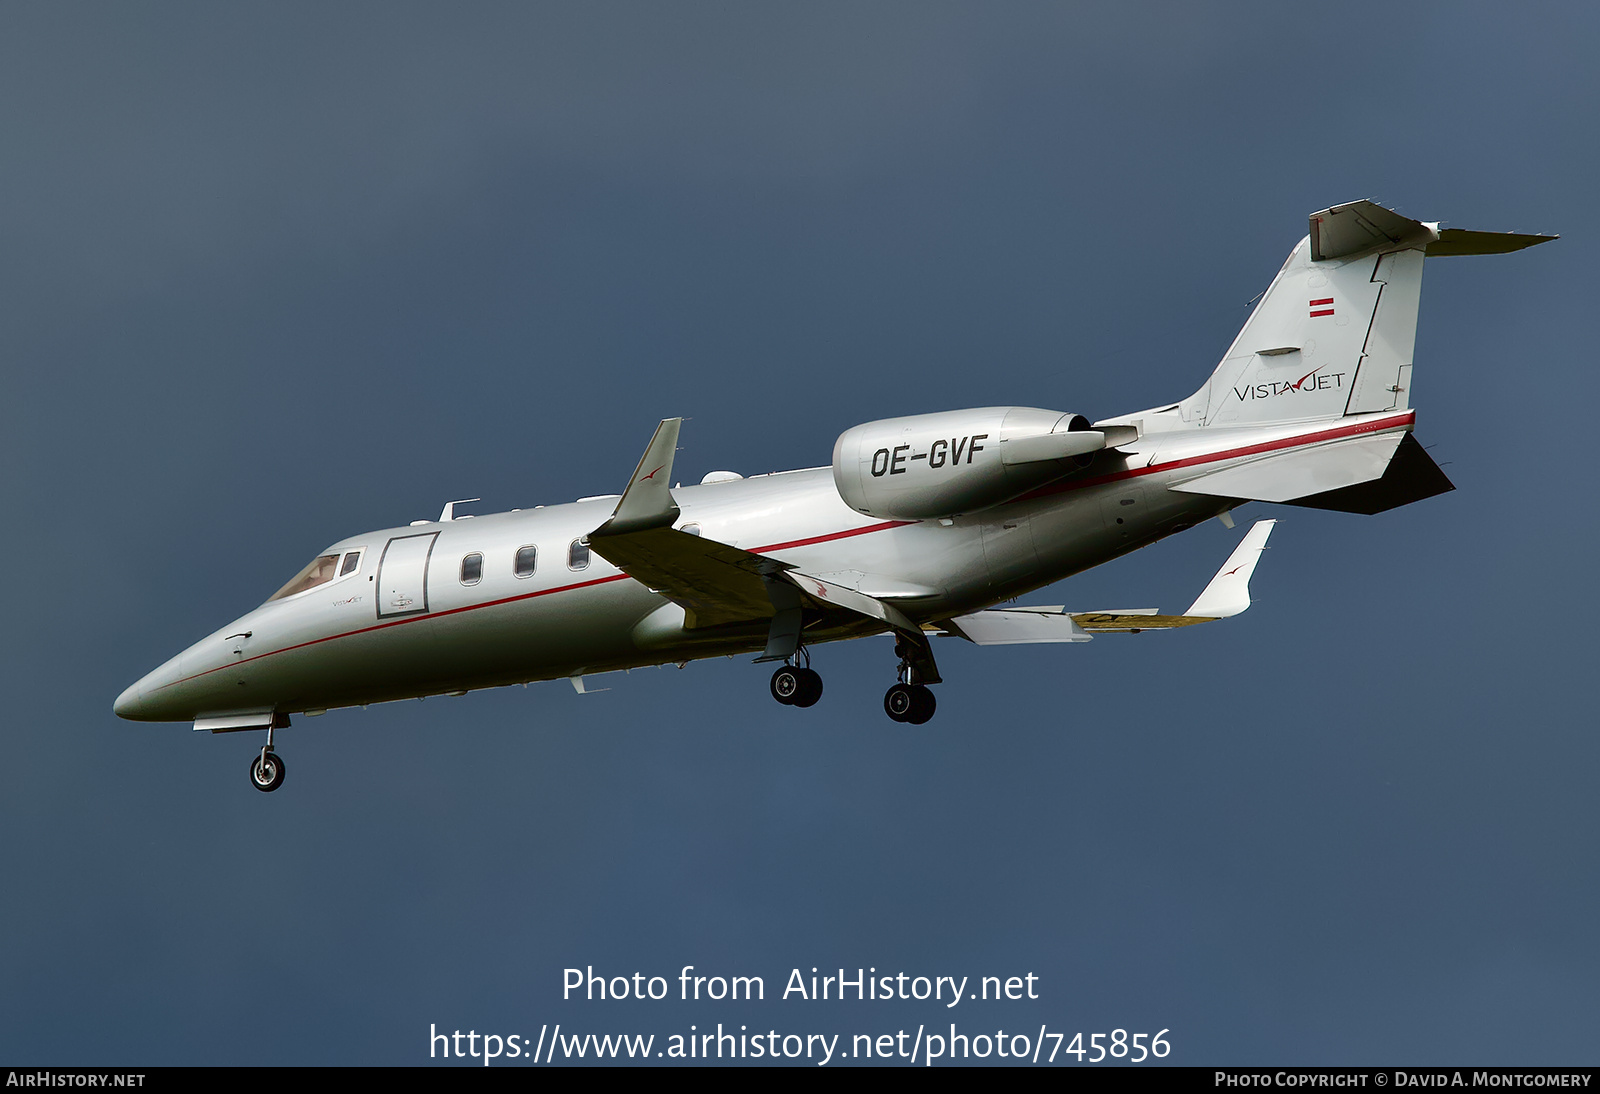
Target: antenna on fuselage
{"x":449,"y":512}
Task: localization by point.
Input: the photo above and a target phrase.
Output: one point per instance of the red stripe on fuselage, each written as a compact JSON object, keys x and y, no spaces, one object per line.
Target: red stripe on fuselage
{"x":832,"y":536}
{"x":526,"y":596}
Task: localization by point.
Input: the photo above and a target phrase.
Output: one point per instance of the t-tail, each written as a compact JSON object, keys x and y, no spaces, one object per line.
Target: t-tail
{"x":1332,"y":338}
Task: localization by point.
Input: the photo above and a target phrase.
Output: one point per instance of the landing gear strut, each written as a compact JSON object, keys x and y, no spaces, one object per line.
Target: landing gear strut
{"x":910,"y":700}
{"x":266,"y":770}
{"x":797,"y":686}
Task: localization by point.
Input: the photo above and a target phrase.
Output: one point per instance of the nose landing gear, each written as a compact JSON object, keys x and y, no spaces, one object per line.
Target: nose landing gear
{"x":266,"y":770}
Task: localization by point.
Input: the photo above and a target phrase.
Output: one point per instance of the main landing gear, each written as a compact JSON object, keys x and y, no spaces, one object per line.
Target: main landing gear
{"x":910,"y":700}
{"x":912,"y":703}
{"x":266,"y":770}
{"x":797,"y":686}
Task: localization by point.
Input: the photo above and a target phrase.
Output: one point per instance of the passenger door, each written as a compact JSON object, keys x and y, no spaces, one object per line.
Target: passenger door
{"x":403,"y":575}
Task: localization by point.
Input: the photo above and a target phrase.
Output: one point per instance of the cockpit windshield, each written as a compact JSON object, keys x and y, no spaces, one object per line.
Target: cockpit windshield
{"x":319,"y":572}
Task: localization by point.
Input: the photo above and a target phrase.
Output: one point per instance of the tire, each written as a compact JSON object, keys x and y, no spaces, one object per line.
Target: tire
{"x":266,"y":777}
{"x":787,"y":685}
{"x":899,"y":702}
{"x":923,"y":705}
{"x":810,"y":688}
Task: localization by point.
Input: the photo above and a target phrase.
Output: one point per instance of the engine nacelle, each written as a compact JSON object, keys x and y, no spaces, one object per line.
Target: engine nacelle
{"x":958,"y":461}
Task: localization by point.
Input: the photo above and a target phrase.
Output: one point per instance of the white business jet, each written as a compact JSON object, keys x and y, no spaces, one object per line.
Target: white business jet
{"x":919,"y":528}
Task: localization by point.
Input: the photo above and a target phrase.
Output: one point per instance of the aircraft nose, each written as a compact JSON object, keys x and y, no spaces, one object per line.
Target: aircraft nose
{"x":144,"y":700}
{"x":167,"y":692}
{"x":129,"y":702}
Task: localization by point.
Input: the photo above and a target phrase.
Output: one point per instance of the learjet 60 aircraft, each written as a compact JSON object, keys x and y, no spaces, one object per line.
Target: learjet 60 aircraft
{"x":919,"y":528}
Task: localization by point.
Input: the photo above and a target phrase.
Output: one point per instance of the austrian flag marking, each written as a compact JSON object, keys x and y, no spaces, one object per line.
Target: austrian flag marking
{"x":1322,"y":307}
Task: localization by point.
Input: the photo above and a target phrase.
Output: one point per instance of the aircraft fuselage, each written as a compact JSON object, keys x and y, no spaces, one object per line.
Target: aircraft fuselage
{"x":369,"y":637}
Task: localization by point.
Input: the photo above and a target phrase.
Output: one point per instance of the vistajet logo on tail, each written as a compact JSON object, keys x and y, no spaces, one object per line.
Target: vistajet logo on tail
{"x":1328,"y":381}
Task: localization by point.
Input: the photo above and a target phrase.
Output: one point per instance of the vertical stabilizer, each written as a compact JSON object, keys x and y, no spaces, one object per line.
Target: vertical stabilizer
{"x":1333,"y":334}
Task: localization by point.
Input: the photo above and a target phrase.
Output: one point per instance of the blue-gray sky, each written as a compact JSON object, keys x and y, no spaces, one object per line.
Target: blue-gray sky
{"x":278,"y":275}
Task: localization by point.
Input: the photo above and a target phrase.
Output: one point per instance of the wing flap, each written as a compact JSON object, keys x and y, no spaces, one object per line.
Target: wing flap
{"x":1013,"y":627}
{"x":1133,"y":622}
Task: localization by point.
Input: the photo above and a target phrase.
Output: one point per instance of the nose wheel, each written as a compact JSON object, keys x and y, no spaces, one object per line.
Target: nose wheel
{"x":912,"y":703}
{"x":266,"y":771}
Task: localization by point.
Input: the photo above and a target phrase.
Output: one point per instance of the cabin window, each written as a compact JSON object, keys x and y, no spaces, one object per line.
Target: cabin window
{"x":527,"y":561}
{"x":352,"y":562}
{"x":578,"y":554}
{"x":320,"y":571}
{"x":472,"y":569}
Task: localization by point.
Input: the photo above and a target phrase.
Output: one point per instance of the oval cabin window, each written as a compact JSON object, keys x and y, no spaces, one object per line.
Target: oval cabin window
{"x":578,"y":554}
{"x":527,"y":561}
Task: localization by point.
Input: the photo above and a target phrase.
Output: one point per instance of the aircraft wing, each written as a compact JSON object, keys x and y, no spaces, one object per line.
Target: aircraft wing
{"x":714,"y":582}
{"x":1227,"y":594}
{"x":825,"y":594}
{"x":1015,"y":626}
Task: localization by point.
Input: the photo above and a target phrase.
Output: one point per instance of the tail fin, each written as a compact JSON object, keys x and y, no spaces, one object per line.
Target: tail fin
{"x":1333,"y":333}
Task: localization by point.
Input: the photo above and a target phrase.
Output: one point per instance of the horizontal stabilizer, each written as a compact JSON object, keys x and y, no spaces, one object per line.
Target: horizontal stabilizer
{"x":1362,"y":225}
{"x":1229,"y":592}
{"x":1286,"y":476}
{"x":1459,"y":241}
{"x":1359,"y":226}
{"x":1411,"y":476}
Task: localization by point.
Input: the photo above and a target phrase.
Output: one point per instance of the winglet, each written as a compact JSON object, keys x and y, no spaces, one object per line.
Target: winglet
{"x":647,"y":503}
{"x":1229,"y":592}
